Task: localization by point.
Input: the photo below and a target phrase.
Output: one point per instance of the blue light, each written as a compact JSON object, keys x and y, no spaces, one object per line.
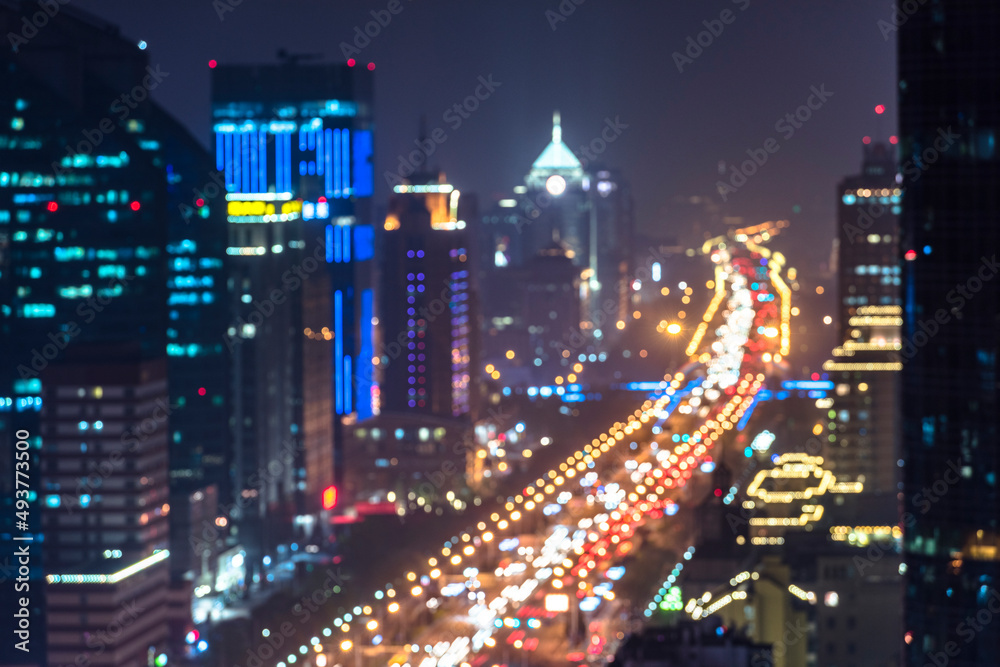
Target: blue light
{"x":346,"y":231}
{"x":806,"y":384}
{"x":338,"y":344}
{"x":708,"y":466}
{"x":364,"y":243}
{"x":85,"y":500}
{"x":202,"y":646}
{"x":365,"y":355}
{"x":83,"y":426}
{"x":927,"y":250}
{"x":328,"y":162}
{"x":748,"y":452}
{"x":52,"y":501}
{"x":245,"y":160}
{"x":364,"y":175}
{"x":346,"y":162}
{"x":262,"y":159}
{"x":337,"y":166}
{"x":227,"y":162}
{"x":329,"y":244}
{"x":347,"y":384}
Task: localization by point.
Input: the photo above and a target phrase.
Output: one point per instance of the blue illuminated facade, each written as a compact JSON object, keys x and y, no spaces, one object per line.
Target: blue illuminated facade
{"x":294,"y":149}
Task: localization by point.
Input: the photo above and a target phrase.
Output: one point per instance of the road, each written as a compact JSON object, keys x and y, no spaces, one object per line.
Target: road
{"x":534,"y":583}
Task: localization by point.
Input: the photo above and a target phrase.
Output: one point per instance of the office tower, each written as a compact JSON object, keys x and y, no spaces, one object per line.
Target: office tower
{"x":949,"y":56}
{"x":427,"y":303}
{"x":104,"y":424}
{"x":294,"y":145}
{"x":103,"y":239}
{"x":428,"y":325}
{"x":865,"y":366}
{"x":551,"y":310}
{"x":105,"y":491}
{"x":868,"y":210}
{"x":92,"y":178}
{"x":584,"y":206}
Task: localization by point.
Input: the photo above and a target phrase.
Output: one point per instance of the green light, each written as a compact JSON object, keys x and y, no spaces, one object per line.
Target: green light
{"x":673,"y":601}
{"x":161,"y":660}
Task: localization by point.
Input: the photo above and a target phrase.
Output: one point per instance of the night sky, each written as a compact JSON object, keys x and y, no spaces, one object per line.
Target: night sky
{"x":606,"y":60}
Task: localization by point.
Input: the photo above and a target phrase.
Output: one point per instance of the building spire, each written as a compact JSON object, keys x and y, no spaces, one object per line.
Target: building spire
{"x":556,"y":128}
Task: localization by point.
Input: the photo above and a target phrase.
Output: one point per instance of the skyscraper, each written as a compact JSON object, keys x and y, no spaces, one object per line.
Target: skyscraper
{"x":949,"y":56}
{"x":868,"y":210}
{"x":865,"y":365}
{"x":427,"y":301}
{"x":92,"y":184}
{"x":583,"y":206}
{"x":294,"y":143}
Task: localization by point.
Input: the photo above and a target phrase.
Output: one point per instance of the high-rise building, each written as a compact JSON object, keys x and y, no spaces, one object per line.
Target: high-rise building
{"x":949,"y":56}
{"x":865,"y":366}
{"x":868,"y":210}
{"x":105,"y":505}
{"x":428,"y":325}
{"x":104,"y":425}
{"x":585,"y":207}
{"x":92,"y":227}
{"x":428,"y":303}
{"x":294,"y":145}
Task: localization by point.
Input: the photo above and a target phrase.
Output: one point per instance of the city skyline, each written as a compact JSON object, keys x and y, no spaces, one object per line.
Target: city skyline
{"x":326,"y":340}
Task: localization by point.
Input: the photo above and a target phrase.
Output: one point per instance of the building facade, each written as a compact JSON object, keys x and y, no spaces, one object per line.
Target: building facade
{"x":294,"y":148}
{"x":949,"y":55}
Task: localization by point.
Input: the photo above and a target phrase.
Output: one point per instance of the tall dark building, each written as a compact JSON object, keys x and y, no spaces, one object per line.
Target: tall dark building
{"x":868,"y":236}
{"x":427,"y":302}
{"x":294,"y":145}
{"x":865,"y":365}
{"x":949,"y":60}
{"x":96,"y":245}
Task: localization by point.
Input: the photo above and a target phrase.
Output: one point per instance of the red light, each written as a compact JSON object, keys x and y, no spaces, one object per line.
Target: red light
{"x":371,"y":66}
{"x":201,"y":391}
{"x":134,"y":206}
{"x":321,"y":200}
{"x":350,"y":62}
{"x":814,"y":376}
{"x":718,"y":493}
{"x":212,"y":63}
{"x":880,"y":109}
{"x":894,"y":139}
{"x":52,"y":206}
{"x":329,"y":497}
{"x":911,"y":255}
{"x":866,"y":140}
{"x":199,"y":202}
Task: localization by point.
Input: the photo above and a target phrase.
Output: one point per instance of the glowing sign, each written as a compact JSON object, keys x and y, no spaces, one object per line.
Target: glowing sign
{"x":289,"y":210}
{"x":329,"y":497}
